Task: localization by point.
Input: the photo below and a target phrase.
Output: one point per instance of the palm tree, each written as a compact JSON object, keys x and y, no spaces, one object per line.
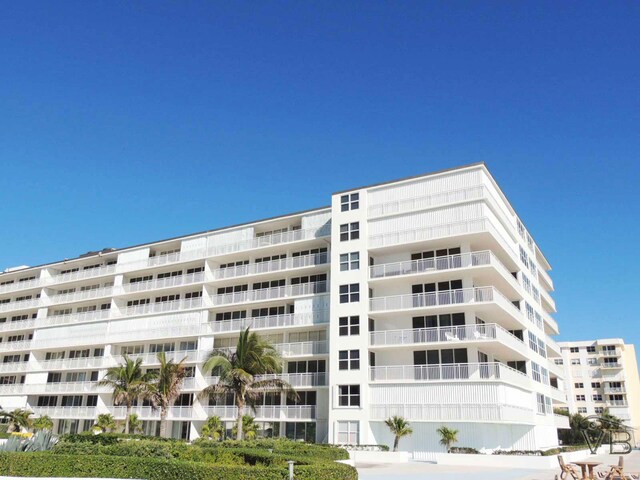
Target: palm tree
{"x":399,"y":427}
{"x":105,"y":423}
{"x":238,"y":370}
{"x":135,"y":424}
{"x":249,"y":428}
{"x":213,"y":428}
{"x":19,"y":419}
{"x":43,"y":423}
{"x":166,"y":387}
{"x":448,"y":436}
{"x":129,"y":383}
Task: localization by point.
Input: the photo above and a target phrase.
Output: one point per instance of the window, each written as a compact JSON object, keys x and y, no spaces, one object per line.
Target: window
{"x":349,"y":326}
{"x":177,"y":273}
{"x":535,"y":372}
{"x":591,"y":349}
{"x":580,"y":398}
{"x":558,"y":361}
{"x":582,"y":409}
{"x":592,"y":361}
{"x":349,"y":359}
{"x":599,"y":410}
{"x":347,"y":433}
{"x":350,"y":261}
{"x":578,"y":385}
{"x":349,"y":395}
{"x":595,"y":384}
{"x":574,"y":349}
{"x":349,"y":202}
{"x":349,"y":231}
{"x":575,"y":361}
{"x":597,"y":397}
{"x":533,"y":342}
{"x":350,"y":293}
{"x":540,"y":401}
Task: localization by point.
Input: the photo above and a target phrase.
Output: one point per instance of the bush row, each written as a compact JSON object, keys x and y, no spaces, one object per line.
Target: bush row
{"x":100,"y":466}
{"x":111,"y":438}
{"x":539,"y":453}
{"x":282,"y":446}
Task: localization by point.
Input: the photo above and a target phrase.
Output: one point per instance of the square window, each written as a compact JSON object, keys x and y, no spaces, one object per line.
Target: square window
{"x":350,"y":293}
{"x":350,"y":261}
{"x":347,"y":433}
{"x":349,"y":202}
{"x":349,"y":360}
{"x":349,"y":395}
{"x":349,"y":231}
{"x":349,"y":326}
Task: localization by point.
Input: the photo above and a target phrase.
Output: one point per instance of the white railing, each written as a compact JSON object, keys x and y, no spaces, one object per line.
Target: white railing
{"x":545,"y":276}
{"x":269,"y":240}
{"x":426,"y":201}
{"x":153,"y":413}
{"x":272,"y":321}
{"x":478,"y":332}
{"x":267,"y":412}
{"x":160,"y":307}
{"x":15,"y":286}
{"x":83,"y":274}
{"x":190,"y":383}
{"x":81,"y":295}
{"x":270,"y":293}
{"x":167,"y":259}
{"x":293,"y":349}
{"x":610,"y":353}
{"x":15,"y":367}
{"x":63,"y":387}
{"x":610,"y":365}
{"x":74,"y":318}
{"x":75,"y":363}
{"x":172,"y":331}
{"x":12,"y":388}
{"x":443,"y":298}
{"x":13,"y":346}
{"x":67,"y":412}
{"x":298,"y":380}
{"x":151,"y":358}
{"x":615,"y":390}
{"x":477,"y":372}
{"x":272,"y":266}
{"x":475,"y":412}
{"x":617,"y":403}
{"x":447,"y":262}
{"x":18,"y":325}
{"x":20,"y":305}
{"x":164,"y":282}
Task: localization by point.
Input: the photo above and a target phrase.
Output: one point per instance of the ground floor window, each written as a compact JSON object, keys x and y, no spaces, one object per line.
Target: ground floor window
{"x":74,"y":426}
{"x":301,"y":431}
{"x":348,"y":432}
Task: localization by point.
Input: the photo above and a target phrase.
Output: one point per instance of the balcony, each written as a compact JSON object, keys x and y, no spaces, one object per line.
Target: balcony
{"x":18,"y":325}
{"x":150,"y":413}
{"x":23,"y":345}
{"x":161,"y":307}
{"x":160,"y":260}
{"x":272,"y":321}
{"x":55,"y":320}
{"x":159,"y":283}
{"x":610,"y":390}
{"x":456,"y":334}
{"x":67,"y":412}
{"x":617,"y":403}
{"x":293,"y":349}
{"x":454,"y":413}
{"x":76,"y":363}
{"x":54,"y":387}
{"x":455,"y":372}
{"x":610,"y":353}
{"x":168,"y":332}
{"x":266,"y":412}
{"x":20,"y":305}
{"x":610,"y":365}
{"x":80,"y":296}
{"x":264,"y":294}
{"x":84,"y":274}
{"x":151,"y":358}
{"x":27,"y":284}
{"x":270,"y":240}
{"x":272,"y":266}
{"x":299,"y":380}
{"x":14,"y":367}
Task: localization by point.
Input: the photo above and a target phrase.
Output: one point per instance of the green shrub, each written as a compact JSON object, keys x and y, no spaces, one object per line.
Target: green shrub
{"x":282,"y":446}
{"x":111,"y":438}
{"x":100,"y":466}
{"x":468,"y":450}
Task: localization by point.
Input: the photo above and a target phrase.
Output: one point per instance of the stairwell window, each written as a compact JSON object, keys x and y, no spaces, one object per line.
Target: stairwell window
{"x":349,"y":360}
{"x":349,"y":231}
{"x":350,"y":293}
{"x":349,"y":325}
{"x":349,"y":395}
{"x":350,"y":261}
{"x":349,"y":202}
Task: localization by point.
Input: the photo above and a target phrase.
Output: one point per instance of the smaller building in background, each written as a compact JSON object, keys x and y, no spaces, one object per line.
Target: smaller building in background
{"x":601,"y":374}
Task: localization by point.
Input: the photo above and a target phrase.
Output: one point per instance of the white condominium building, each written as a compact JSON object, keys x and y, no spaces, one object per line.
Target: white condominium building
{"x":424,"y":297}
{"x":602,"y":374}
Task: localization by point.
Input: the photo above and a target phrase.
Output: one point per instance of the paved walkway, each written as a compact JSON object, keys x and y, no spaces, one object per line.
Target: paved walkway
{"x":431,"y":471}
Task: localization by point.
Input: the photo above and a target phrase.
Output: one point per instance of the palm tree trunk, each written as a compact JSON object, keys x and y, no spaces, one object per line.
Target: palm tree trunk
{"x":395,"y":443}
{"x":239,"y":421}
{"x":126,"y":420}
{"x":163,"y":421}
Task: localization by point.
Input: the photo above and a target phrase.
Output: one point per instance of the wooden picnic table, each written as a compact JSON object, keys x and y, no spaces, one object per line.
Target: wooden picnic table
{"x":587,"y":466}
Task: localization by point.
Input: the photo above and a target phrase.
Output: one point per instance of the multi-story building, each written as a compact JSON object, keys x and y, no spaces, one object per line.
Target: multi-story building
{"x":424,"y":297}
{"x":602,"y":374}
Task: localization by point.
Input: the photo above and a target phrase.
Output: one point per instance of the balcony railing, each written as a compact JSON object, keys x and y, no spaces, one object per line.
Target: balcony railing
{"x":151,"y":358}
{"x":67,"y":412}
{"x":74,"y":318}
{"x":269,"y":240}
{"x":447,"y":262}
{"x":157,"y":283}
{"x":15,"y":286}
{"x":270,"y":293}
{"x":272,"y":266}
{"x":293,"y":349}
{"x":477,"y":372}
{"x":15,"y":367}
{"x":478,"y":332}
{"x":18,"y":325}
{"x":20,"y":305}
{"x":84,"y":274}
{"x":53,"y":387}
{"x":443,"y":298}
{"x":76,"y":363}
{"x":610,"y":353}
{"x":475,"y":412}
{"x":617,"y":403}
{"x":299,"y":380}
{"x":81,"y":295}
{"x":426,"y":201}
{"x":167,"y":259}
{"x":615,"y":390}
{"x":610,"y":365}
{"x":160,"y":307}
{"x":272,"y":321}
{"x":13,"y":346}
{"x":153,"y":413}
{"x":266,"y":412}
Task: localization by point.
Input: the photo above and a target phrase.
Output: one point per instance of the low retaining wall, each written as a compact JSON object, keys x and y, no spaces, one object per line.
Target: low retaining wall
{"x":509,"y":461}
{"x":359,"y":457}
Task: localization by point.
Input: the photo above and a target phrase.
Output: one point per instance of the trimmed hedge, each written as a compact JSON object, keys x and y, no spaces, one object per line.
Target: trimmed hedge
{"x":111,"y":438}
{"x":100,"y":466}
{"x":283,"y":446}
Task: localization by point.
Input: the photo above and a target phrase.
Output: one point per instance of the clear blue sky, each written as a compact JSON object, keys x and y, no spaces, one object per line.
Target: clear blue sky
{"x":126,"y":122}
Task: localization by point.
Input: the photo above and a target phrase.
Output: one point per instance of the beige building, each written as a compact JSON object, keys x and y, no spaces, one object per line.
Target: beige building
{"x":602,"y":374}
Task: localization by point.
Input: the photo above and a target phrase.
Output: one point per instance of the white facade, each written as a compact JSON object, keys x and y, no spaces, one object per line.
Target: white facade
{"x":424,"y":297}
{"x":602,"y":374}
